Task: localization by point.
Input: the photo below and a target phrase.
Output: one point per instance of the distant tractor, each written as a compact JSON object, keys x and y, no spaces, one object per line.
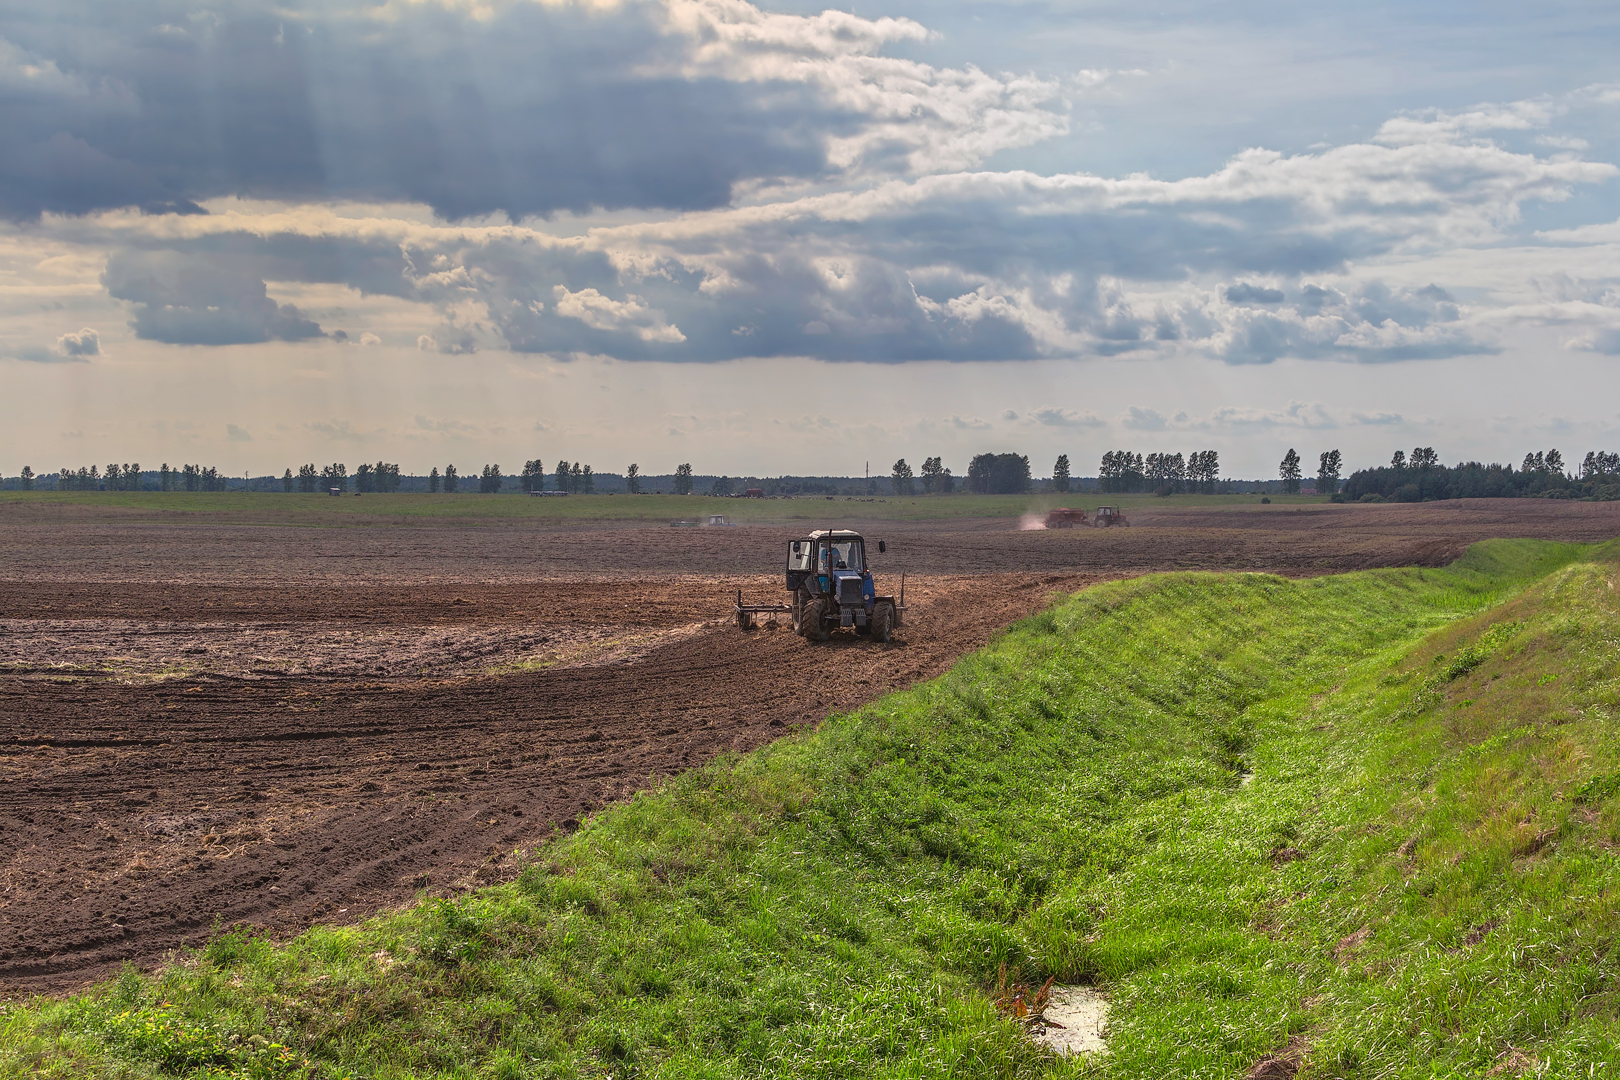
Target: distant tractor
{"x":832,"y":589}
{"x":1110,"y":515}
{"x":1065,"y":518}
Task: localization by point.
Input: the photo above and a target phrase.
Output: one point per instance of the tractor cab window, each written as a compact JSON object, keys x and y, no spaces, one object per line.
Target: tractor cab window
{"x":844,"y":555}
{"x":799,"y":555}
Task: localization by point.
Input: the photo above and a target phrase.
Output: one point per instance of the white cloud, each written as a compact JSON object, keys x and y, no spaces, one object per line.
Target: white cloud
{"x":84,"y":343}
{"x":604,"y":313}
{"x":1142,"y":419}
{"x":1073,"y":418}
{"x":1298,"y":414}
{"x":918,"y":118}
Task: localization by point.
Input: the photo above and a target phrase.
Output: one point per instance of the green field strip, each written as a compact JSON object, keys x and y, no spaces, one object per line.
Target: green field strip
{"x":421,"y":509}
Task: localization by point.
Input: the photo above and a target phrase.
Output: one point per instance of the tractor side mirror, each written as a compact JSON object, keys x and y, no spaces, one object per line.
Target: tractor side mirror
{"x":882,"y":547}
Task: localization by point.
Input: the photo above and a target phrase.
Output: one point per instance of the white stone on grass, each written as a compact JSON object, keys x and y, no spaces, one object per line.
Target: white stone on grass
{"x":1083,"y":1014}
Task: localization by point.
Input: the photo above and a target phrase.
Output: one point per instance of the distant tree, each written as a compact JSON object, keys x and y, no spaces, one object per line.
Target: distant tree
{"x":1203,"y":470}
{"x":433,"y":480}
{"x":26,"y":481}
{"x":387,"y":476}
{"x":308,"y":478}
{"x":1289,"y":471}
{"x":1423,"y":458}
{"x":722,"y":486}
{"x":1121,"y":470}
{"x":287,"y":481}
{"x":534,"y":475}
{"x":1327,"y":472}
{"x":165,"y":478}
{"x":563,"y":476}
{"x":365,"y":478}
{"x":450,"y":479}
{"x":190,"y":477}
{"x":1555,"y":462}
{"x":999,"y":474}
{"x":576,"y":478}
{"x":335,"y":475}
{"x":1166,"y":474}
{"x":489,"y":481}
{"x":945,"y":484}
{"x":589,"y":486}
{"x":1600,"y":463}
{"x":1399,"y":460}
{"x":632,"y":479}
{"x":1060,"y":474}
{"x":931,"y":473}
{"x":900,"y":477}
{"x":683,"y":479}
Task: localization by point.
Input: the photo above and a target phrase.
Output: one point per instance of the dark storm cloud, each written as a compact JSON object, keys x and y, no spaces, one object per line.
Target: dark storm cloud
{"x":1246,"y":293}
{"x":191,"y":299}
{"x":534,"y":110}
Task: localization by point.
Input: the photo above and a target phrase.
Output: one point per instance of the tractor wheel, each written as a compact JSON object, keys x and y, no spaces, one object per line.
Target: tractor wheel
{"x":882,"y":623}
{"x":745,"y":620}
{"x":811,"y":620}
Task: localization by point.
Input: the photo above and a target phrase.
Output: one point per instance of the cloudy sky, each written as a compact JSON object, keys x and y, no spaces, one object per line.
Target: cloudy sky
{"x":774,"y":238}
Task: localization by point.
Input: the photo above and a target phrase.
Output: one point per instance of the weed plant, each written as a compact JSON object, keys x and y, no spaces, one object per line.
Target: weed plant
{"x":1357,"y":826}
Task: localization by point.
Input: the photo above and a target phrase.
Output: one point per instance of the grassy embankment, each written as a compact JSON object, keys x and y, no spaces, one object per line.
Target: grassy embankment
{"x":1418,"y":880}
{"x":418,"y":509}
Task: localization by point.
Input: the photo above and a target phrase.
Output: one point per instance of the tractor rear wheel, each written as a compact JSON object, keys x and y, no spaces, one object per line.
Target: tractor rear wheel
{"x":811,"y":621}
{"x":882,"y":623}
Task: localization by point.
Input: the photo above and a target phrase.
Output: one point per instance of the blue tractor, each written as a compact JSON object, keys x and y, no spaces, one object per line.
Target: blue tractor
{"x":832,"y":588}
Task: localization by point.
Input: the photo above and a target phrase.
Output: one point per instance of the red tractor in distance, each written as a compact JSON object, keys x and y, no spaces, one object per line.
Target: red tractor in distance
{"x":1065,"y":518}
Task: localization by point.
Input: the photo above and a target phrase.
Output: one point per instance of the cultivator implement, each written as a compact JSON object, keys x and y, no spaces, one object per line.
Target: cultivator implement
{"x":748,"y":615}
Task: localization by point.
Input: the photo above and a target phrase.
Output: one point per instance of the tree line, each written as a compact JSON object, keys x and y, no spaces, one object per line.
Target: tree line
{"x":1542,"y":474}
{"x":1409,"y":477}
{"x":127,"y":477}
{"x":1163,"y":474}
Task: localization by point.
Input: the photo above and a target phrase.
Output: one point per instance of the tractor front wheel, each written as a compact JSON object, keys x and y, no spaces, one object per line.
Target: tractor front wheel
{"x":882,"y":623}
{"x":811,"y":621}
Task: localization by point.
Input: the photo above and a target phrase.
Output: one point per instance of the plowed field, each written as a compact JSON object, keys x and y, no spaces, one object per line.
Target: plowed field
{"x":206,"y":724}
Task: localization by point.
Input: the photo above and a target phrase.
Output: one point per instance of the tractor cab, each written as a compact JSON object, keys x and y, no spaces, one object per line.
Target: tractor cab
{"x":828,"y":564}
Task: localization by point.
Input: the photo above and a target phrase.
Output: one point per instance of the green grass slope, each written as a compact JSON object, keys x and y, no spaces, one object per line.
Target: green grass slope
{"x":1360,"y":825}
